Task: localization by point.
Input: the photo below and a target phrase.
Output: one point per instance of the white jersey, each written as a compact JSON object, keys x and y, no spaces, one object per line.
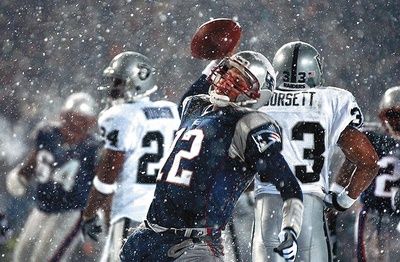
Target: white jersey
{"x":143,"y":130}
{"x":311,"y":121}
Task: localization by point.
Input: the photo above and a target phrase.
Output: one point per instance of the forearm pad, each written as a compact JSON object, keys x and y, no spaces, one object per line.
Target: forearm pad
{"x":292,"y":215}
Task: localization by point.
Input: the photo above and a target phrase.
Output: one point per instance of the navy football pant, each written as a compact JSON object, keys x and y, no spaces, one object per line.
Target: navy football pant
{"x":377,"y":236}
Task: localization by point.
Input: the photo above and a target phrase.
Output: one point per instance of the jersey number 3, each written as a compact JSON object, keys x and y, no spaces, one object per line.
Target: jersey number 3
{"x":314,"y":154}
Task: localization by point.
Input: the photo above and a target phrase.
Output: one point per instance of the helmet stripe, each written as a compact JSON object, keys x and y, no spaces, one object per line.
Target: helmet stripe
{"x":293,"y":75}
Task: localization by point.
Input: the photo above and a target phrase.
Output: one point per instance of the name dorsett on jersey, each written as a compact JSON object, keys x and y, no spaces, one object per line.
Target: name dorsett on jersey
{"x":305,"y":98}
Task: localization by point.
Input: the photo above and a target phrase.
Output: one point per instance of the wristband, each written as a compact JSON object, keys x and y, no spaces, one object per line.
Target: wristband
{"x":335,"y":187}
{"x":344,"y":200}
{"x":104,"y":188}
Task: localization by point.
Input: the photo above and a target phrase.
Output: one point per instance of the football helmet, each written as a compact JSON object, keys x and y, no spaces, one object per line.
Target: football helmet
{"x":242,"y":79}
{"x":298,"y":66}
{"x":81,"y":103}
{"x":131,"y":75}
{"x":389,"y":111}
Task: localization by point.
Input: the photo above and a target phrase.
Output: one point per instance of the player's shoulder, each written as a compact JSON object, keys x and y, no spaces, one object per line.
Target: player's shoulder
{"x":49,"y":128}
{"x":195,"y":105}
{"x":380,"y":138}
{"x":118,"y":114}
{"x":164,"y":103}
{"x":251,"y":119}
{"x":333,"y":92}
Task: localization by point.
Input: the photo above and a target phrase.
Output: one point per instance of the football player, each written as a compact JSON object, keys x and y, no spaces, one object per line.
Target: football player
{"x":218,"y":149}
{"x":62,"y":165}
{"x":378,"y":223}
{"x":137,"y":133}
{"x":313,"y":118}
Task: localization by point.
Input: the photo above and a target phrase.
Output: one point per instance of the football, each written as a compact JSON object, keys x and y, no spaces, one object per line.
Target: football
{"x":216,"y":39}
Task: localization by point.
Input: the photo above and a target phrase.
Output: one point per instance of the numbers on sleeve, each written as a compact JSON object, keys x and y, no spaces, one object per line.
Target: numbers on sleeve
{"x":111,"y":136}
{"x":357,"y":121}
{"x":183,"y":176}
{"x":64,"y":175}
{"x":314,"y":154}
{"x":146,"y":172}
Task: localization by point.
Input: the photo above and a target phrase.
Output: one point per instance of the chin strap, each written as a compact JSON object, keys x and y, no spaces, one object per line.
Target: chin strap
{"x":219,"y":100}
{"x":222,"y":100}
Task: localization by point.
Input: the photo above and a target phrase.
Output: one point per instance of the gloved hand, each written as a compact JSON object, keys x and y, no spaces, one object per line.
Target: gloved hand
{"x":331,"y":201}
{"x":91,"y":228}
{"x":5,"y":231}
{"x":288,"y":244}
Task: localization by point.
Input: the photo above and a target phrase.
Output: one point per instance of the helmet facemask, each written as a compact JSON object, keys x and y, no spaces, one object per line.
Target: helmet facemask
{"x":232,"y":83}
{"x":390,"y":119}
{"x":389,"y":111}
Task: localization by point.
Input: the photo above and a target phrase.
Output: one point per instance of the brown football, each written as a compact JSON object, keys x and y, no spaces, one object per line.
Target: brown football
{"x":216,"y":39}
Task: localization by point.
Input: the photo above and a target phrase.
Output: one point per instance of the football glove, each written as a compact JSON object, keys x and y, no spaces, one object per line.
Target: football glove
{"x":91,"y":228}
{"x":288,"y":244}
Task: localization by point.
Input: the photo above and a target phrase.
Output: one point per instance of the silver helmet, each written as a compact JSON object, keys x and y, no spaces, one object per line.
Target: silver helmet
{"x":132,"y":75}
{"x":389,"y":111}
{"x":298,"y":66}
{"x":259,"y":73}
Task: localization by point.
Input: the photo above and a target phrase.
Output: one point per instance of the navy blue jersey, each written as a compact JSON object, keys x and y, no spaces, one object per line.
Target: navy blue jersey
{"x":64,"y":172}
{"x":215,"y":156}
{"x":377,"y":195}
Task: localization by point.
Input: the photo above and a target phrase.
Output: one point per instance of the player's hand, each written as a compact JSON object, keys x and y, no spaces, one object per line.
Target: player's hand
{"x":5,"y":231}
{"x":91,"y":228}
{"x":330,"y":201}
{"x":288,"y":244}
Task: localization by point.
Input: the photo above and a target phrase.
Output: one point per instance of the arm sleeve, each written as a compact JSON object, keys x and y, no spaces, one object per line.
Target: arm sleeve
{"x":118,"y":133}
{"x":275,"y":170}
{"x":347,"y":113}
{"x":201,"y":86}
{"x":262,"y":153}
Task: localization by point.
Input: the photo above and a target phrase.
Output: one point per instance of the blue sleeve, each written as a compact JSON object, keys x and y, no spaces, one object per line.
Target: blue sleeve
{"x":201,"y":86}
{"x":275,"y":170}
{"x":263,"y":154}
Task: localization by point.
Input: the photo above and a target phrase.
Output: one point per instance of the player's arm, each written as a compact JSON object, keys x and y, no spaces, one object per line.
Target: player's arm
{"x":18,"y":178}
{"x":357,"y":171}
{"x":263,"y":146}
{"x":104,"y":186}
{"x":104,"y":183}
{"x":200,"y":86}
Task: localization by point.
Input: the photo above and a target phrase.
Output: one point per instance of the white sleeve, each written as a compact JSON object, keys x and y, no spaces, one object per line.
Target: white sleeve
{"x":347,"y":113}
{"x":117,"y":133}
